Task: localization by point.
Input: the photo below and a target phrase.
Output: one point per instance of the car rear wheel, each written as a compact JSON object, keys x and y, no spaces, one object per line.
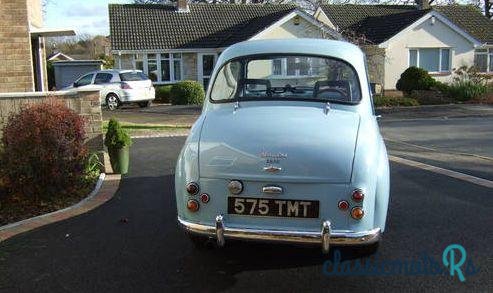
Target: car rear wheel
{"x":144,"y":104}
{"x":112,"y":102}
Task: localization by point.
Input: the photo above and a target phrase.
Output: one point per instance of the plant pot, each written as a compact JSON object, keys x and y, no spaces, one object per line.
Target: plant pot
{"x":119,"y":159}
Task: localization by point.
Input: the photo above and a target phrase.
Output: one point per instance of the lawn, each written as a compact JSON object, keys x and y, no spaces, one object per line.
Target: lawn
{"x":135,"y":129}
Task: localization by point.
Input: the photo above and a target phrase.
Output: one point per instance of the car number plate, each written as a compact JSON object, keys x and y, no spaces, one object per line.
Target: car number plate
{"x":273,"y":207}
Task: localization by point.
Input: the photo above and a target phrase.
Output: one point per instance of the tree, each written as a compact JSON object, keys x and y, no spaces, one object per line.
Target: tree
{"x":485,"y":5}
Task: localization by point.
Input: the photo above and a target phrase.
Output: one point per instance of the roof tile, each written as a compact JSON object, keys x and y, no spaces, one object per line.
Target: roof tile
{"x":157,"y":26}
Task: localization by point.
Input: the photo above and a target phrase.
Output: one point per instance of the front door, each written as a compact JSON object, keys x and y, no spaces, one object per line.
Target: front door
{"x":206,"y":62}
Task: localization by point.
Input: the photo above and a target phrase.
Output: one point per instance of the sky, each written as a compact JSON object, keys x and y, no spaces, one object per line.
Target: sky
{"x":85,"y":17}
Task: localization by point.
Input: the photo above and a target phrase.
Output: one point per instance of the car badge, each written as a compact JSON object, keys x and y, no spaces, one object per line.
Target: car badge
{"x":272,"y":169}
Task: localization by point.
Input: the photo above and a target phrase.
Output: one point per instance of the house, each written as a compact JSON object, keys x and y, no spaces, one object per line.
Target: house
{"x":22,"y":53}
{"x":435,"y":38}
{"x":182,"y":42}
{"x":59,"y":56}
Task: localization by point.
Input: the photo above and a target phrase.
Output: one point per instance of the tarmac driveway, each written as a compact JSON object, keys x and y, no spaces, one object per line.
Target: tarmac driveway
{"x":132,"y":243}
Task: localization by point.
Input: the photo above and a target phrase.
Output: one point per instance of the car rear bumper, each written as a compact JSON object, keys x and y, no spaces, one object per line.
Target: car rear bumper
{"x":137,"y":96}
{"x":325,"y":237}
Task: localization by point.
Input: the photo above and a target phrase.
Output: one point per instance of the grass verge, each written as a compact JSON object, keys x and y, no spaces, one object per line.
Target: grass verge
{"x":135,"y":129}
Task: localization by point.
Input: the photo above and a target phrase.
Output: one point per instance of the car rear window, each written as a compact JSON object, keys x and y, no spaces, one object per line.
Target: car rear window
{"x":133,"y":76}
{"x":287,"y":77}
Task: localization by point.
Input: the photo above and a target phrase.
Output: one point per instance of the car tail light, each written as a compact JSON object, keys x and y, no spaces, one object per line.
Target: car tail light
{"x":343,"y":205}
{"x":204,"y":197}
{"x":235,"y":186}
{"x":192,"y":188}
{"x":358,"y":195}
{"x":193,"y":205}
{"x":125,"y":86}
{"x":357,"y":213}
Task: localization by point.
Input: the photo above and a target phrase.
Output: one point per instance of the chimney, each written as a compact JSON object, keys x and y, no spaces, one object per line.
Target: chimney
{"x":182,"y":6}
{"x":422,"y":4}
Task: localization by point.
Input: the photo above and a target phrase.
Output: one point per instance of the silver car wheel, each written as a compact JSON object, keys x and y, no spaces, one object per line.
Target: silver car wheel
{"x":112,"y":102}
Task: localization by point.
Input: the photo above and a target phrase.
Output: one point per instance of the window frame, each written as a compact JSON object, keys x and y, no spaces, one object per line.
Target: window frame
{"x":284,"y":68}
{"x":489,"y":58}
{"x":260,"y":56}
{"x":91,"y":82}
{"x":440,"y":70}
{"x":171,"y":58}
{"x":102,"y":73}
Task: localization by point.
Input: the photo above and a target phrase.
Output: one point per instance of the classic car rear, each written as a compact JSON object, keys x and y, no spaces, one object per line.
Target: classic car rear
{"x":287,"y":149}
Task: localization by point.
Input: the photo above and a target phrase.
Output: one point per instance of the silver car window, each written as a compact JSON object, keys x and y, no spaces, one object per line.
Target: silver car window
{"x":102,"y":78}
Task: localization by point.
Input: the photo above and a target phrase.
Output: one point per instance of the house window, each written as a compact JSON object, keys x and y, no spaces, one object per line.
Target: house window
{"x":277,"y":67}
{"x":293,"y":66}
{"x":177,"y":66}
{"x":483,"y":59}
{"x":164,"y":67}
{"x":430,"y":59}
{"x":139,"y":61}
{"x":152,"y":67}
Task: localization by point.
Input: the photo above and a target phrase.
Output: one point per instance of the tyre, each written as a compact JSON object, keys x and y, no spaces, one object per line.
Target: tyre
{"x":144,"y":104}
{"x":112,"y":102}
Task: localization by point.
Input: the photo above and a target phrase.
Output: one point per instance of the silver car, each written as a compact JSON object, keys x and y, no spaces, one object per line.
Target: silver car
{"x":118,"y":87}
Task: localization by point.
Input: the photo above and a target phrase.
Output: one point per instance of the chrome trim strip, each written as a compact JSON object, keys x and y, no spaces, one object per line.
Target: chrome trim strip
{"x":337,"y":237}
{"x":272,"y":189}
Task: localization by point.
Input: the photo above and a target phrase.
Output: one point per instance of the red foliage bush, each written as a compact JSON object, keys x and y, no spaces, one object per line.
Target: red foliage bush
{"x":43,"y":150}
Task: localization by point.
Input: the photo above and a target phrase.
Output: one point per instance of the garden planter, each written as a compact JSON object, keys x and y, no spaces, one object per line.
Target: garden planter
{"x":119,"y":159}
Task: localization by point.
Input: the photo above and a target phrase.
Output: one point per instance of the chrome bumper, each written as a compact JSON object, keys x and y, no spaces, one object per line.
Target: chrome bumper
{"x":325,"y":237}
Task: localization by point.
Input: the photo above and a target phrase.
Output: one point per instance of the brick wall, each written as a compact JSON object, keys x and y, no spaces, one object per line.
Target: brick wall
{"x":85,"y":103}
{"x":16,"y":74}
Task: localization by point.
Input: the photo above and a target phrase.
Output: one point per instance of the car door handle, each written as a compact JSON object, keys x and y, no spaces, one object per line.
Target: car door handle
{"x":271,"y":189}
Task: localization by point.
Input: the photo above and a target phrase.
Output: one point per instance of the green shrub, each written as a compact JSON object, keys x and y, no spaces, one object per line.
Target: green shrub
{"x":468,"y":84}
{"x":382,"y":101}
{"x":116,"y":137}
{"x":163,"y":93}
{"x":187,"y":92}
{"x":464,"y":91}
{"x":44,"y":154}
{"x":415,"y":78}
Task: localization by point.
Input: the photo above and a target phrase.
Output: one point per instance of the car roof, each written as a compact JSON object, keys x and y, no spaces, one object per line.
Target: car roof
{"x":115,"y":71}
{"x":318,"y":47}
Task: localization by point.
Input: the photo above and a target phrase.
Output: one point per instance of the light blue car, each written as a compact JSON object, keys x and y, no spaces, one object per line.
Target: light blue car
{"x":287,"y":149}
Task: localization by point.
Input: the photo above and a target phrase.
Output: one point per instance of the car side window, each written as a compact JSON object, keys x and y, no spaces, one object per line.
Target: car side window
{"x":85,"y":80}
{"x":102,"y":78}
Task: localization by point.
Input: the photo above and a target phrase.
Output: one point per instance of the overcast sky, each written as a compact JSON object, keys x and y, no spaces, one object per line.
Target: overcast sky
{"x":86,"y":17}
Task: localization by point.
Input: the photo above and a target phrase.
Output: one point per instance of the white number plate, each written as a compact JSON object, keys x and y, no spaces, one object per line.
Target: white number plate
{"x":273,"y":207}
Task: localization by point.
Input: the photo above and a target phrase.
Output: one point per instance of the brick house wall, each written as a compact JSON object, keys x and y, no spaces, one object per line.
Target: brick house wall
{"x":16,"y":60}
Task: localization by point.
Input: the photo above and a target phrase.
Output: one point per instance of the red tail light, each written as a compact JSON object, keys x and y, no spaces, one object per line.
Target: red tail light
{"x":125,"y":86}
{"x":358,"y":195}
{"x":204,"y":197}
{"x":343,"y":205}
{"x":192,"y":188}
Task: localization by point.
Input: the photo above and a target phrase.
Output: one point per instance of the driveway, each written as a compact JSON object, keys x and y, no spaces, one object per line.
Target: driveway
{"x":132,"y":243}
{"x":457,"y":137}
